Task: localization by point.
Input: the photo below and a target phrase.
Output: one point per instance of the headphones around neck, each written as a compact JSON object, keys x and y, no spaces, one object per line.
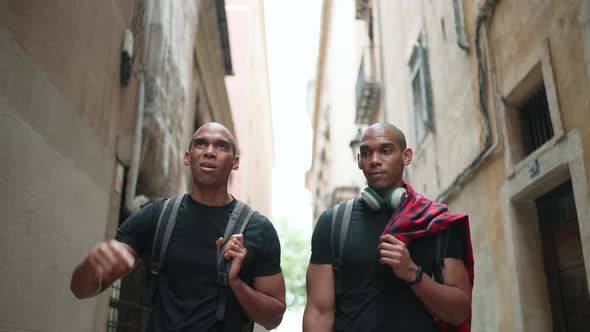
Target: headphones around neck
{"x":372,"y":200}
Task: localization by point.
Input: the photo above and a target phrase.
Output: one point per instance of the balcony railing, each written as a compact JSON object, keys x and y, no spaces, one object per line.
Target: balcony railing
{"x":362,"y":9}
{"x":343,"y":194}
{"x":368,"y":89}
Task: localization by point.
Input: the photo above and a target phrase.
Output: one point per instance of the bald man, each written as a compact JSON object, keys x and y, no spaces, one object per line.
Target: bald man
{"x":187,"y":295}
{"x":383,"y":279}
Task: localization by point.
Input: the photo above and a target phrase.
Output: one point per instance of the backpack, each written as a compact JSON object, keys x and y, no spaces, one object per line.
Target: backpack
{"x":240,"y":215}
{"x":341,"y":217}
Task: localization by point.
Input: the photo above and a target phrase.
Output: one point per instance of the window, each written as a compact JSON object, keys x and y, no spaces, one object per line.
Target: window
{"x":420,"y":91}
{"x":532,"y":120}
{"x":113,"y":307}
{"x":126,"y":310}
{"x":535,"y":120}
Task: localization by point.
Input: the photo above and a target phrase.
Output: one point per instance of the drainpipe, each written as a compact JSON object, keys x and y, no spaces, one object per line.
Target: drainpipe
{"x":484,"y":13}
{"x":133,"y":203}
{"x":492,"y":75}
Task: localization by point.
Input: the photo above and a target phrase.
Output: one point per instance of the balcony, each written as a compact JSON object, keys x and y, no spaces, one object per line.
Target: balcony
{"x":362,"y":9}
{"x":342,"y":194}
{"x":368,"y":90}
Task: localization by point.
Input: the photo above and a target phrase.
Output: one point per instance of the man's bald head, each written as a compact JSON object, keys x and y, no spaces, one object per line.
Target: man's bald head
{"x":219,"y":127}
{"x":389,"y":127}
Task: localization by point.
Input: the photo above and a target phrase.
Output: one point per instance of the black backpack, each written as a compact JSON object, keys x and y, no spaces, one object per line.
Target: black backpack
{"x":241,"y":216}
{"x":341,"y":217}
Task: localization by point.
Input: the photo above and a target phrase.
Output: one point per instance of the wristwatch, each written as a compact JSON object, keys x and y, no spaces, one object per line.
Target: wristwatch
{"x":418,"y":277}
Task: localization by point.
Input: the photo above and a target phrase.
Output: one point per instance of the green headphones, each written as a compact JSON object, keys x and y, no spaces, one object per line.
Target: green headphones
{"x":373,"y":200}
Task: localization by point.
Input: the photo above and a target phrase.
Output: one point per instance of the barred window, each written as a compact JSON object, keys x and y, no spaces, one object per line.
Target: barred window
{"x":535,"y":120}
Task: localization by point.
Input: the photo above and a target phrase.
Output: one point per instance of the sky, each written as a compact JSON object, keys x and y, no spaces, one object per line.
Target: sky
{"x":292,"y":33}
{"x":292,"y":37}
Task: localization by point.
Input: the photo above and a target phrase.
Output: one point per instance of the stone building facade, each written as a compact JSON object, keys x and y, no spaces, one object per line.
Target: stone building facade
{"x":87,"y":132}
{"x":492,"y":97}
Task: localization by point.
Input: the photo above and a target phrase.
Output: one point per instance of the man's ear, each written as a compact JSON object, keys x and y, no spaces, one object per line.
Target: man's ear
{"x":236,"y":163}
{"x":187,"y":158}
{"x":407,"y":155}
{"x":358,"y":160}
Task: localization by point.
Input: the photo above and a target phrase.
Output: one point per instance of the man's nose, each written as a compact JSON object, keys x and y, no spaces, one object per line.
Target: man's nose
{"x":210,"y":151}
{"x":375,"y":160}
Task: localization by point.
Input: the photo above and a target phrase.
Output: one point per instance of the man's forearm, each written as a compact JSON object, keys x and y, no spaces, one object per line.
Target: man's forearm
{"x":317,"y":321}
{"x":261,"y":308}
{"x":447,"y":303}
{"x":84,"y":282}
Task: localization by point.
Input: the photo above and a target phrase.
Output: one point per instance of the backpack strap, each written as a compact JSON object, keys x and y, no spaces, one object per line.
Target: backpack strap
{"x":229,"y":231}
{"x":241,"y":216}
{"x":333,"y":226}
{"x":343,"y":225}
{"x":442,"y":241}
{"x":162,"y":235}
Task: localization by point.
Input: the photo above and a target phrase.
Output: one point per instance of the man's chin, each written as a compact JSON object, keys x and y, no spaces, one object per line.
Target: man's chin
{"x":210,"y":178}
{"x":380,"y":187}
{"x":207,"y":181}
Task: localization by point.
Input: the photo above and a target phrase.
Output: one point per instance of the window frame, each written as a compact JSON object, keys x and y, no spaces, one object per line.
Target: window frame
{"x":536,"y":68}
{"x":418,"y":69}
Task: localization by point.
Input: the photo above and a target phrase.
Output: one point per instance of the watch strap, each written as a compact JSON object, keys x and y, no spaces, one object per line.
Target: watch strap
{"x":418,"y":278}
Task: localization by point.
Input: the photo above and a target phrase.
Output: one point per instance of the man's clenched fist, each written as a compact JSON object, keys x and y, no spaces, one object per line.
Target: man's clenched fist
{"x":111,"y":260}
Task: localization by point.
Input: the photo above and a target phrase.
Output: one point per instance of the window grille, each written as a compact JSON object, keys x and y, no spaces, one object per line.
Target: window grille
{"x":535,"y":120}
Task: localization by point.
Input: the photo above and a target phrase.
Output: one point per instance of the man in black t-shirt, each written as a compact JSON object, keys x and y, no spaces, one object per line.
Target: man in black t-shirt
{"x":187,"y":294}
{"x":383,"y":285}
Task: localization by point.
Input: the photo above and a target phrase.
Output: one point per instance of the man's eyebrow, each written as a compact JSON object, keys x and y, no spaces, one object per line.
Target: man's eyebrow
{"x":199,"y":139}
{"x":384,"y":145}
{"x":221,"y":140}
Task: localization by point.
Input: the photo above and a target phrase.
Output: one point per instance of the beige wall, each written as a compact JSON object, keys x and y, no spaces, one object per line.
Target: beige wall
{"x":455,"y":140}
{"x":510,"y":291}
{"x":555,"y":25}
{"x":67,"y":123}
{"x":333,"y":163}
{"x":454,"y":104}
{"x":74,"y":46}
{"x":61,"y":109}
{"x":249,"y":95}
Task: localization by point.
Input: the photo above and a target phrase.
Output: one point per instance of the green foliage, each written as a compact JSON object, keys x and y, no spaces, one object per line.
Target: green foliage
{"x":295,"y":252}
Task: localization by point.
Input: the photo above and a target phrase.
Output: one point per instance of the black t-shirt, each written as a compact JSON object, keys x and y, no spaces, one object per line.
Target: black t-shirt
{"x":187,"y":288}
{"x":371,"y":297}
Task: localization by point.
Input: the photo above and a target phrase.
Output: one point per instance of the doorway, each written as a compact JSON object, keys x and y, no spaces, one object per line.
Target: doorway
{"x":563,"y":259}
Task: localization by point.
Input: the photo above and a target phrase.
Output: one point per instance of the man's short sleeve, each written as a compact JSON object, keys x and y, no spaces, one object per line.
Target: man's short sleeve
{"x":269,"y":261}
{"x":138,"y":230}
{"x":321,"y":242}
{"x":456,"y":244}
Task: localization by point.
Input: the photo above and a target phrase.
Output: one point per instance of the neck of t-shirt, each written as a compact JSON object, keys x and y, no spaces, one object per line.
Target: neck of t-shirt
{"x":208,"y":197}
